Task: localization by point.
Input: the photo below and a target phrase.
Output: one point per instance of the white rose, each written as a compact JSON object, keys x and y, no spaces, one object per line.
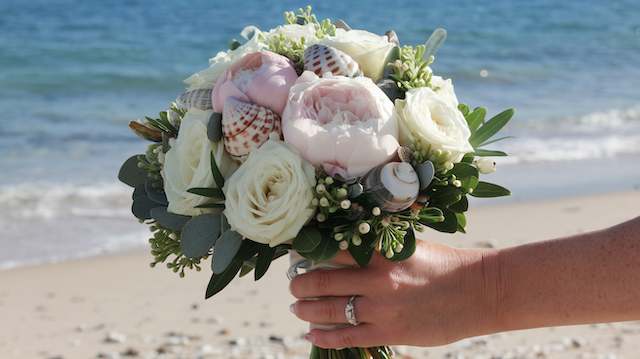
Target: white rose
{"x":206,"y":78}
{"x":369,"y":50}
{"x":268,"y":199}
{"x":429,"y":120}
{"x":187,"y":164}
{"x":444,"y":88}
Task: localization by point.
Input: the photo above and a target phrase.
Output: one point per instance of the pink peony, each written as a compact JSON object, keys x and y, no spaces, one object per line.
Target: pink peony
{"x":346,"y":125}
{"x":263,"y":78}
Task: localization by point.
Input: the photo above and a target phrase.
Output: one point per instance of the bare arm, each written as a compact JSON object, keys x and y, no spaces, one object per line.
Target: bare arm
{"x":444,"y":294}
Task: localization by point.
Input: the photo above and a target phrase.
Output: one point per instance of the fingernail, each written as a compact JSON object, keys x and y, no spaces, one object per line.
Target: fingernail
{"x":308,"y":337}
{"x":292,"y":308}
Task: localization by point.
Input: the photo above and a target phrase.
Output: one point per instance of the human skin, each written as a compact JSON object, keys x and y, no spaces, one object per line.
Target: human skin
{"x":444,"y":294}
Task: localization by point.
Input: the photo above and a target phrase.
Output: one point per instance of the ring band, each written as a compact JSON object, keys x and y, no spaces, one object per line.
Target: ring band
{"x":350,"y":311}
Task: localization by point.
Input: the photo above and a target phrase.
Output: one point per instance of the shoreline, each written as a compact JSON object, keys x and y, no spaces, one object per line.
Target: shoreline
{"x":115,"y":304}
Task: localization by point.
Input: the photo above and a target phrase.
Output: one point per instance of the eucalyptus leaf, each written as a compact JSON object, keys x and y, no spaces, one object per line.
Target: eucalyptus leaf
{"x":199,"y":234}
{"x":326,"y":250}
{"x":169,"y":220}
{"x":227,"y":246}
{"x":214,"y":127}
{"x":130,"y":174}
{"x":212,"y":192}
{"x":265,"y":257}
{"x":155,"y":194}
{"x":491,"y":127}
{"x":142,"y":205}
{"x":408,"y":248}
{"x":449,"y":225}
{"x":307,"y":240}
{"x":219,"y":281}
{"x":488,"y":190}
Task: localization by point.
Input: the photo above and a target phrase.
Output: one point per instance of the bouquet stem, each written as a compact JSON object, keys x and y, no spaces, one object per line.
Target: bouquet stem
{"x":351,"y":353}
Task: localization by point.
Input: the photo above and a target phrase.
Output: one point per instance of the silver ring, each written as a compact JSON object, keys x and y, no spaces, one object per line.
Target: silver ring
{"x":350,"y":311}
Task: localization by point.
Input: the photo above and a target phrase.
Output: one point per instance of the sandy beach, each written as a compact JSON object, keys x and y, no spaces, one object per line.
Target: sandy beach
{"x":118,"y":307}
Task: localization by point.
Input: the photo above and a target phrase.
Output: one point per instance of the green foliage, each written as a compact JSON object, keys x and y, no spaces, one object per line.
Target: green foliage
{"x":289,"y":48}
{"x":307,"y":240}
{"x":225,"y":250}
{"x":305,"y":16}
{"x":165,"y":246}
{"x":488,"y":190}
{"x":411,"y":70}
{"x":199,"y":234}
{"x":482,"y":131}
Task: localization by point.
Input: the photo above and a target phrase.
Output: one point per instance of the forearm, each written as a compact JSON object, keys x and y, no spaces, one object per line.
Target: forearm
{"x":589,"y":278}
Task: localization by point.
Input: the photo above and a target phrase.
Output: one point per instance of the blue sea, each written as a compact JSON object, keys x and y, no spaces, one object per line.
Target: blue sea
{"x":73,"y":73}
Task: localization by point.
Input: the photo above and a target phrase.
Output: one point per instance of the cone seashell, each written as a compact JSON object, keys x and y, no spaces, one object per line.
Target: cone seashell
{"x":200,"y":99}
{"x":321,"y":59}
{"x":147,"y":132}
{"x":393,"y":37}
{"x":405,"y":154}
{"x":393,"y":186}
{"x":341,"y":24}
{"x":246,"y":126}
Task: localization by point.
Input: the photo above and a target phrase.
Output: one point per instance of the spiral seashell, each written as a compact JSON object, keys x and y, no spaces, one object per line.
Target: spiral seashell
{"x":393,"y":186}
{"x":246,"y":126}
{"x":321,"y":59}
{"x":200,"y":99}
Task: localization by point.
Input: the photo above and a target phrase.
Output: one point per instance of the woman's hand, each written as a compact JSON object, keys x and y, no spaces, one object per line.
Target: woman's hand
{"x":439,"y":295}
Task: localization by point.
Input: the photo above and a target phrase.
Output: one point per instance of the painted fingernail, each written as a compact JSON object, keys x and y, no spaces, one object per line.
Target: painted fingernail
{"x":292,"y":308}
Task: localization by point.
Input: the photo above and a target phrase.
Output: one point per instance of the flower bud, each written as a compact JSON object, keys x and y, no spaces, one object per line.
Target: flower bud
{"x":485,"y":165}
{"x":338,"y":236}
{"x":346,"y":204}
{"x":328,"y":181}
{"x":320,"y":189}
{"x":321,"y":217}
{"x":376,"y":211}
{"x":344,"y":245}
{"x":356,"y":240}
{"x":457,"y":183}
{"x":364,"y":228}
{"x":324,"y":202}
{"x":341,"y":193}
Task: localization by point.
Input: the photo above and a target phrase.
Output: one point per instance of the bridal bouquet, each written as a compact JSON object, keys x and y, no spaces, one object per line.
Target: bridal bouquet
{"x":310,"y":138}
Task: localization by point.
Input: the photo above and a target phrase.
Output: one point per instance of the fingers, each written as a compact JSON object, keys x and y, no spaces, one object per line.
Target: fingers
{"x":330,"y":283}
{"x":331,"y":310}
{"x":361,"y":336}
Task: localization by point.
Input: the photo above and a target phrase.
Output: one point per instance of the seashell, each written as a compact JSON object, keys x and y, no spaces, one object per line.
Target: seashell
{"x":214,"y":127}
{"x":354,"y":190}
{"x":405,"y":154}
{"x":147,"y":132}
{"x":391,"y":89}
{"x":200,"y":99}
{"x":425,"y":172}
{"x":341,"y":24}
{"x":393,"y":37}
{"x":246,"y":126}
{"x":321,"y":59}
{"x":393,"y":186}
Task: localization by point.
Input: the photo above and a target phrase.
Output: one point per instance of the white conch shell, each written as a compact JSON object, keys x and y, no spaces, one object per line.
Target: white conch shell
{"x":393,"y":186}
{"x":321,"y":59}
{"x":246,"y":126}
{"x":200,"y":99}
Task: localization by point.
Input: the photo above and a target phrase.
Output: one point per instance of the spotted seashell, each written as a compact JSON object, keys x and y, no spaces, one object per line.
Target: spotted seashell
{"x":200,"y":99}
{"x":393,"y":186}
{"x":246,"y":126}
{"x":321,"y":59}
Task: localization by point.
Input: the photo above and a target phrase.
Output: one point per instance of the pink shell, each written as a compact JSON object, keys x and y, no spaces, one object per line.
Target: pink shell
{"x":321,"y":59}
{"x":246,"y":126}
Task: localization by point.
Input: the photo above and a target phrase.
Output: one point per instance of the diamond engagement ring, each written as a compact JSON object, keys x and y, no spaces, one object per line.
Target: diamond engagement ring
{"x":350,"y":311}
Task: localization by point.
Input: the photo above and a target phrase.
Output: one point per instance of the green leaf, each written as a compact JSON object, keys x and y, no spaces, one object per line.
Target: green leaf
{"x":430,"y":215}
{"x":217,"y":175}
{"x":210,"y":205}
{"x":199,"y":234}
{"x":464,"y":109}
{"x":489,"y":153}
{"x":491,"y":127}
{"x":130,"y":174}
{"x":497,"y":140}
{"x":461,"y":206}
{"x":208,"y":192}
{"x":225,"y":250}
{"x":247,"y":266}
{"x":476,"y":118}
{"x":219,"y":281}
{"x":462,"y":222}
{"x":449,"y":225}
{"x":155,"y":194}
{"x":326,"y":250}
{"x":169,"y":220}
{"x":446,"y":196}
{"x":142,"y":204}
{"x":307,"y":240}
{"x":363,"y":253}
{"x":265,"y":256}
{"x":467,"y":174}
{"x":488,"y":190}
{"x":408,"y":248}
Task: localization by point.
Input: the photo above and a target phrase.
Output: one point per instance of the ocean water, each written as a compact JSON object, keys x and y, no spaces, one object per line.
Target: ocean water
{"x":72,"y":74}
